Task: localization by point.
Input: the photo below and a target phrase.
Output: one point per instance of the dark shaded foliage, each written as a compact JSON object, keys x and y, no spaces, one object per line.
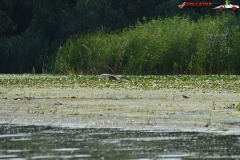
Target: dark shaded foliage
{"x":31,"y":31}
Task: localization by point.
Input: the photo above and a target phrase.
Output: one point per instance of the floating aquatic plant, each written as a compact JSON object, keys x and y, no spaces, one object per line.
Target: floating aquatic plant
{"x":219,"y":83}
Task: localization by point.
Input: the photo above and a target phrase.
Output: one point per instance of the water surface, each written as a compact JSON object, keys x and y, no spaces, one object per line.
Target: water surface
{"x":46,"y":142}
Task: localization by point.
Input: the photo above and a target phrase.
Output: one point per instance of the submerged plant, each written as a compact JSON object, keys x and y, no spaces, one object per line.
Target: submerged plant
{"x":238,"y":107}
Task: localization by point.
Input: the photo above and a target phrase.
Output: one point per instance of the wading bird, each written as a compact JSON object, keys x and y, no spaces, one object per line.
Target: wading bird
{"x":112,"y":77}
{"x":185,"y":96}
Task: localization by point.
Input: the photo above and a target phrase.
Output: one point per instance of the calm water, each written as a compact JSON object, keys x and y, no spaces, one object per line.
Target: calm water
{"x":44,"y":142}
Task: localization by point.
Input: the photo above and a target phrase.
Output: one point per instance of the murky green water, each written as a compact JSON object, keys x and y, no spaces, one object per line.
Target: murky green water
{"x":44,"y":142}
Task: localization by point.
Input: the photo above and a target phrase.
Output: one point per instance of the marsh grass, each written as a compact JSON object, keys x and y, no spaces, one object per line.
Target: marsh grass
{"x":175,"y":45}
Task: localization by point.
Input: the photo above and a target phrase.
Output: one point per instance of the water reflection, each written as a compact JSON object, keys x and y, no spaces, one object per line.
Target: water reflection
{"x":45,"y":142}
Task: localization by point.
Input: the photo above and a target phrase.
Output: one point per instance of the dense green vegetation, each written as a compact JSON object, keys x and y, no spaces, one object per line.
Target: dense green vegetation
{"x":175,"y":45}
{"x":132,"y":37}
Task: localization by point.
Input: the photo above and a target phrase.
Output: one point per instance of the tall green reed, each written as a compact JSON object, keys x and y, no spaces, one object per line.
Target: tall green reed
{"x":175,"y":45}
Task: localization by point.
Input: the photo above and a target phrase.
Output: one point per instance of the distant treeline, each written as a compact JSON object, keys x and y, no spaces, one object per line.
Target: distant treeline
{"x":35,"y":34}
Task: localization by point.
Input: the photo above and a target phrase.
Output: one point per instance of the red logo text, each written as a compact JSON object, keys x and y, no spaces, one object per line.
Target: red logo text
{"x":196,"y":4}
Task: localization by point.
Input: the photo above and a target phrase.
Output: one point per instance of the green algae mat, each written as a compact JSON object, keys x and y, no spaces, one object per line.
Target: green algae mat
{"x":142,"y":102}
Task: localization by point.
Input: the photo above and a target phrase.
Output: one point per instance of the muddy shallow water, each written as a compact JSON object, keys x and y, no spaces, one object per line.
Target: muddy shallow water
{"x":49,"y":118}
{"x":81,"y":107}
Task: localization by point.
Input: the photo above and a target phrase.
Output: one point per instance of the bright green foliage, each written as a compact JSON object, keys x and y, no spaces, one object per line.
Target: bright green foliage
{"x":175,"y":45}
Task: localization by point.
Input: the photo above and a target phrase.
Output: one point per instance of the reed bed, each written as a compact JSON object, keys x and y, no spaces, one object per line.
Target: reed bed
{"x":176,"y":45}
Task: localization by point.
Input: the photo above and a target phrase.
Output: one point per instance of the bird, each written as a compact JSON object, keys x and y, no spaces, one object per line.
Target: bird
{"x":185,"y":96}
{"x":112,"y":76}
